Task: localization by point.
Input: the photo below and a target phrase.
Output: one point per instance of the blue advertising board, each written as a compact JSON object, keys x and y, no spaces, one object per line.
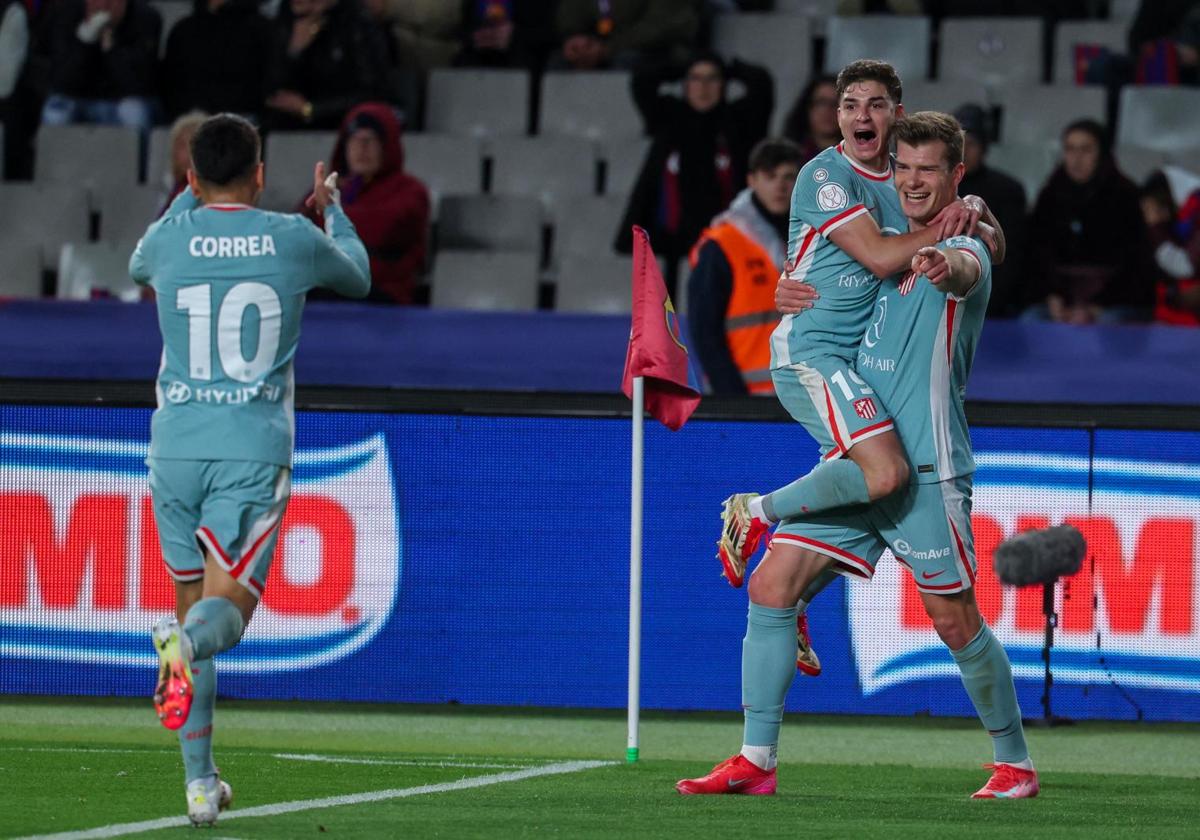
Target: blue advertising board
{"x":483,"y":560}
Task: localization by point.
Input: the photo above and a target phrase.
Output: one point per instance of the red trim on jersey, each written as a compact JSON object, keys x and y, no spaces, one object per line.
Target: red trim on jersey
{"x":812,"y":234}
{"x":853,"y":562}
{"x":885,"y":424}
{"x":833,"y":426}
{"x":228,"y":208}
{"x":255,"y":586}
{"x":831,"y":454}
{"x":862,"y":170}
{"x":962,"y":551}
{"x":183,"y":576}
{"x":857,"y":208}
{"x":951,"y":306}
{"x":950,"y":586}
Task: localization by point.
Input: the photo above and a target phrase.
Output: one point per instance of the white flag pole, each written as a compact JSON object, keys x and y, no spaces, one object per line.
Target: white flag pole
{"x":635,"y":572}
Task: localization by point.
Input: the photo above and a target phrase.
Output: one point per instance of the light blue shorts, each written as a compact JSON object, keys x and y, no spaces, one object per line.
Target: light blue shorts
{"x":832,"y":402}
{"x":230,"y":509}
{"x":927,"y":527}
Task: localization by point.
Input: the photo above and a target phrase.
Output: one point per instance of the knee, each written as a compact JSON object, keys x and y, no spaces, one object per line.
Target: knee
{"x":886,"y":478}
{"x":953,"y":630}
{"x":135,"y":112}
{"x":767,"y":593}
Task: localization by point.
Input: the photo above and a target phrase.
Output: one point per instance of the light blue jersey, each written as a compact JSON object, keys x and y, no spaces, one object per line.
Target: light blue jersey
{"x":230,"y":282}
{"x":917,"y":355}
{"x":831,"y":191}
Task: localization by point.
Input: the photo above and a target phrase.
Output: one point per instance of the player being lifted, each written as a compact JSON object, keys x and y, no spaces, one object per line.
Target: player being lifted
{"x":230,"y":282}
{"x":916,"y":354}
{"x":847,"y":232}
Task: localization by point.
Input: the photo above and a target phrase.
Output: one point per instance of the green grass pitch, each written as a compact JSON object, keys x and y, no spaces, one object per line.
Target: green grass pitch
{"x":87,"y":765}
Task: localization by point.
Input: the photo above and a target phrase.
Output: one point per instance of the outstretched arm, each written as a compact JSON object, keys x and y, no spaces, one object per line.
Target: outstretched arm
{"x":953,"y":271}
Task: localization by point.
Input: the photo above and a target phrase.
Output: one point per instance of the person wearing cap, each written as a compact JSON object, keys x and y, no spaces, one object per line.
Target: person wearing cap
{"x":1006,"y":198}
{"x":700,"y":145}
{"x":389,"y":207}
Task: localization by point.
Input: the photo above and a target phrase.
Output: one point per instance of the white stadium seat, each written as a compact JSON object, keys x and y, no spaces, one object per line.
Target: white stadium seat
{"x":596,"y":284}
{"x":447,"y":164}
{"x":44,"y":215}
{"x":126,"y":213}
{"x":623,"y":159}
{"x":591,"y":105}
{"x":1031,"y":165}
{"x":552,"y":169}
{"x":588,"y":227}
{"x":501,"y":222}
{"x":1039,"y":113}
{"x":478,"y":103}
{"x":20,"y":270}
{"x":88,"y":269}
{"x":1069,"y":34}
{"x":781,"y":43}
{"x":902,"y":41}
{"x":485,"y":280}
{"x":93,"y":156}
{"x":994,"y":51}
{"x":945,"y":96}
{"x":290,"y":157}
{"x":1158,"y":117}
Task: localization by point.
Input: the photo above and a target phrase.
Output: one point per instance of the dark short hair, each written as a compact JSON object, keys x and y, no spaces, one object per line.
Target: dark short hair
{"x":772,"y":152}
{"x":225,"y":149}
{"x":1090,"y":126}
{"x":869,"y":70}
{"x":930,"y":126}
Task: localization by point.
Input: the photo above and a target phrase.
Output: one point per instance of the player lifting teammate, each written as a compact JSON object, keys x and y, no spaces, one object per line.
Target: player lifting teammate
{"x":230,"y":282}
{"x":916,"y":355}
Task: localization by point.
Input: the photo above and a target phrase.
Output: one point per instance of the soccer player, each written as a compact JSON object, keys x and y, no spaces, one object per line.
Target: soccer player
{"x":845,"y":234}
{"x":916,"y":354}
{"x":230,"y":282}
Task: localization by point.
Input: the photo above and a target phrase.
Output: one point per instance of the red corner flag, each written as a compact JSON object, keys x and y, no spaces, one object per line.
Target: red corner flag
{"x":656,"y":349}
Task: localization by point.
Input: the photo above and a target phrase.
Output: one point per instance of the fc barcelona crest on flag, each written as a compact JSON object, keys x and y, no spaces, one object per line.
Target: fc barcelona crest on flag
{"x":865,"y":408}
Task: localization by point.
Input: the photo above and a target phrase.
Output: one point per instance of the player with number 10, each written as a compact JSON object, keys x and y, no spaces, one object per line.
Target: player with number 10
{"x":230,"y":283}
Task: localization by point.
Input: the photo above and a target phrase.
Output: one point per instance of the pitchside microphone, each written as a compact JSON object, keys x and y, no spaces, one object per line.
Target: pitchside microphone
{"x":1040,"y":557}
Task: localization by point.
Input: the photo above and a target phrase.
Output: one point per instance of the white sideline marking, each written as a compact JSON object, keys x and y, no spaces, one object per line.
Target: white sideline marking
{"x":123,"y":829}
{"x":397,"y":762}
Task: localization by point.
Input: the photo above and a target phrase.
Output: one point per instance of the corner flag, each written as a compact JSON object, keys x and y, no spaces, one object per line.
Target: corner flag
{"x":656,"y":348}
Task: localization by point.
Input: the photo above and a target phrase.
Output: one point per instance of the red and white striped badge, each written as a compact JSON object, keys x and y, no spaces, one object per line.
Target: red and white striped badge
{"x":865,"y":408}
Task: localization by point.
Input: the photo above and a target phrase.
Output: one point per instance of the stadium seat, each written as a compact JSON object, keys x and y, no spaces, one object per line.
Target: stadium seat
{"x":598,"y":284}
{"x":1038,"y":113}
{"x":588,"y":105}
{"x":1160,"y":118}
{"x":485,"y":280}
{"x":781,"y":43}
{"x":158,"y":156}
{"x":95,"y":156}
{"x":1137,"y":163}
{"x":994,"y":51}
{"x":446,"y":164}
{"x":508,"y":222}
{"x":588,"y":227}
{"x":1112,"y":34}
{"x":623,"y":159}
{"x":1123,"y":10}
{"x":551,"y":169}
{"x":478,"y":103}
{"x":21,"y":269}
{"x":817,"y":11}
{"x":172,"y":11}
{"x":45,"y":215}
{"x":942,"y":96}
{"x":125,"y":213}
{"x":902,"y":41}
{"x":1031,"y":165}
{"x":96,"y":269}
{"x":290,"y":157}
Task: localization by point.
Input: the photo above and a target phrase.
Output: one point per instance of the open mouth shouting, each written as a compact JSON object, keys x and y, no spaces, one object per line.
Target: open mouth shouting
{"x":865,"y":140}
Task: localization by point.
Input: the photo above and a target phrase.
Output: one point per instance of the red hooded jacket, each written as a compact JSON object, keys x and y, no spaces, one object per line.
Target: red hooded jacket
{"x":391,"y":211}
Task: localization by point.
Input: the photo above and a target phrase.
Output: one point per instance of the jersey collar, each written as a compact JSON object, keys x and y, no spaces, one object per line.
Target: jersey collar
{"x":862,"y":170}
{"x":228,"y":208}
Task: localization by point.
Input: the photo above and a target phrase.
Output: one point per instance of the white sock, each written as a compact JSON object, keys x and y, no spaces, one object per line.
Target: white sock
{"x":756,"y":508}
{"x":1027,"y":764}
{"x":761,"y":757}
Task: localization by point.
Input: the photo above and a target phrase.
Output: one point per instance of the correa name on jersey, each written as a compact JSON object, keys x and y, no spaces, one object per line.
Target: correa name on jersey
{"x":1141,"y":574}
{"x":82,"y":578}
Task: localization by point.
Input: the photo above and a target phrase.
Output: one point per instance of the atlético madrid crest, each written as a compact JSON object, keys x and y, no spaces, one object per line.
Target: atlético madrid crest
{"x":865,"y":408}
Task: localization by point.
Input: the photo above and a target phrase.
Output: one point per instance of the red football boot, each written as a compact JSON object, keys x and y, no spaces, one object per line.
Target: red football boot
{"x":741,"y":535}
{"x":1008,"y":782}
{"x":733,"y":775}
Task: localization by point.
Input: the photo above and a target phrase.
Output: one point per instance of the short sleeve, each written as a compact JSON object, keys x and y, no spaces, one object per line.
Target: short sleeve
{"x":828,"y":196}
{"x":975,"y":248}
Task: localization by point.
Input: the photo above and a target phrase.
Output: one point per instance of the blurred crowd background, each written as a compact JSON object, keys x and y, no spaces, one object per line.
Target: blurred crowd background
{"x":494,"y":153}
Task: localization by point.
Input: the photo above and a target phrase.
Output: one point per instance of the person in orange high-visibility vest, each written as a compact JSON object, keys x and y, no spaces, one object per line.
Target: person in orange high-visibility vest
{"x":731,"y":290}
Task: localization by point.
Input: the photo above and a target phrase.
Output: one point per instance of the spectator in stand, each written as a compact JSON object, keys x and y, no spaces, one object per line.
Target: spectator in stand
{"x":1089,"y":257}
{"x":1175,"y":237}
{"x":14,"y":46}
{"x":426,"y":31}
{"x":731,"y":290}
{"x":103,"y":54}
{"x":1164,"y":42}
{"x":215,"y":60}
{"x":1005,"y":197}
{"x":812,"y":123}
{"x":697,"y":158}
{"x":173,"y":179}
{"x":595,"y":34}
{"x":328,"y":57}
{"x":505,"y":33}
{"x":389,"y":208}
